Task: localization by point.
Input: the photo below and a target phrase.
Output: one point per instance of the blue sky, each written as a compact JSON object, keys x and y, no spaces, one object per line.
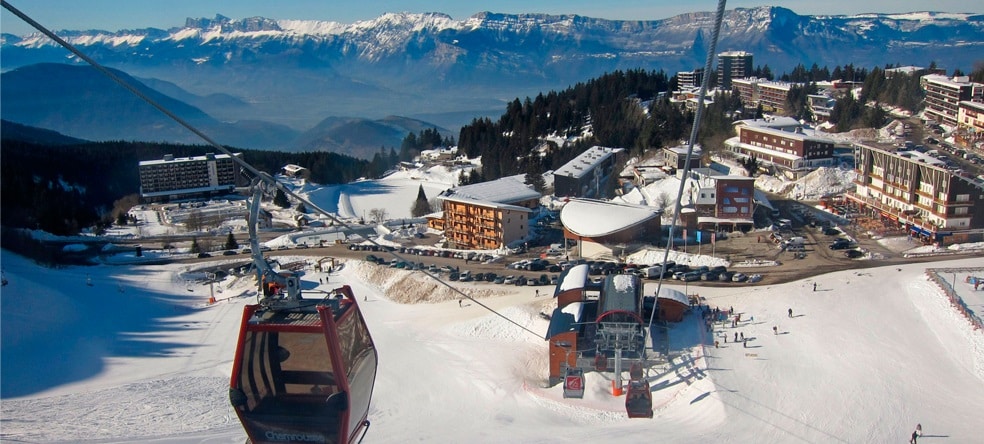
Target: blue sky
{"x":113,"y":15}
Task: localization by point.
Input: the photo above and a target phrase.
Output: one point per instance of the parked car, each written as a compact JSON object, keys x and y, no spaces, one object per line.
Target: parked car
{"x":755,"y":278}
{"x":229,"y":253}
{"x":710,"y":276}
{"x":203,"y":255}
{"x":500,"y":280}
{"x":509,"y":280}
{"x":853,"y":254}
{"x":840,"y":244}
{"x":520,"y":281}
{"x":739,"y":277}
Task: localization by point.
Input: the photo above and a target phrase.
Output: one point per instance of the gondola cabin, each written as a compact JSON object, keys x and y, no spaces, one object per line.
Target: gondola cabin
{"x":304,"y":373}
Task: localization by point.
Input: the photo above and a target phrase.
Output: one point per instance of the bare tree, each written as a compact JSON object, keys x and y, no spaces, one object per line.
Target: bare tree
{"x":377,"y":215}
{"x":195,"y":221}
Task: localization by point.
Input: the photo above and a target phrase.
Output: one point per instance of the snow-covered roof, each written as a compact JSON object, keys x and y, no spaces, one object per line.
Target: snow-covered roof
{"x":506,"y":190}
{"x":676,"y":295}
{"x":770,"y":122}
{"x":595,"y":218}
{"x":775,"y":131}
{"x":682,"y":149}
{"x":585,"y":161}
{"x":488,"y":204}
{"x":565,"y":319}
{"x":573,"y":278}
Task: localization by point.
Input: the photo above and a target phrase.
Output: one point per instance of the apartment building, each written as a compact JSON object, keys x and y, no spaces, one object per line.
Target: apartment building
{"x":676,"y":157}
{"x":721,"y":201}
{"x":488,"y":215}
{"x":482,"y":225}
{"x":917,"y":192}
{"x":769,"y":94}
{"x":783,"y":144}
{"x":591,"y":174}
{"x":944,"y":94}
{"x":970,"y":124}
{"x":733,"y":65}
{"x":690,"y":79}
{"x":182,"y":177}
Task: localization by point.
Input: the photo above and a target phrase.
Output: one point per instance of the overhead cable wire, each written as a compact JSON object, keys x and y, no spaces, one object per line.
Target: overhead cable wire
{"x":242,"y":163}
{"x":718,"y":18}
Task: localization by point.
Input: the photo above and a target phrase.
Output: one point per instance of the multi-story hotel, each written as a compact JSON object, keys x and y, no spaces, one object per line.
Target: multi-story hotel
{"x":918,"y":192}
{"x":178,"y":177}
{"x":488,"y":215}
{"x":733,"y":65}
{"x":944,"y":94}
{"x":792,"y":152}
{"x":591,"y":174}
{"x":690,"y":79}
{"x":771,"y":95}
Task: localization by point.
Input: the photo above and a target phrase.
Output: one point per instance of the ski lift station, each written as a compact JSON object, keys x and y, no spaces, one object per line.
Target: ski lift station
{"x":606,"y":327}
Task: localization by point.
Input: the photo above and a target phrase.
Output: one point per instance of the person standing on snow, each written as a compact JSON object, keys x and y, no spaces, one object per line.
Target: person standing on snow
{"x":790,"y":312}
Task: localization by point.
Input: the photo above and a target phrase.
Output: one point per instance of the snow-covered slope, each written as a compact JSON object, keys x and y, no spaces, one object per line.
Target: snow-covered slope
{"x":140,"y":357}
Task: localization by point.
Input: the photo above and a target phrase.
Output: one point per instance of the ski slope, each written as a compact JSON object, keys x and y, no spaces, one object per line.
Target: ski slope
{"x":140,"y":356}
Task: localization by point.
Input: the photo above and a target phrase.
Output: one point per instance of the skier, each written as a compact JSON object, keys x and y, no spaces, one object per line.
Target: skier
{"x":321,"y":281}
{"x":775,"y":330}
{"x":919,"y":429}
{"x":914,"y":436}
{"x":537,"y":293}
{"x":459,"y":303}
{"x":814,"y":286}
{"x":736,"y":336}
{"x":790,"y":312}
{"x":742,"y":336}
{"x":744,"y":343}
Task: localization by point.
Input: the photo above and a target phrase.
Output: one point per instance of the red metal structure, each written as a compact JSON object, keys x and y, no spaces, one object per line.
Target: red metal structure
{"x":304,"y":370}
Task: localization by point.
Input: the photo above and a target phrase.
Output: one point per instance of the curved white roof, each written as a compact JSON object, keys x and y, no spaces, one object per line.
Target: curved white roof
{"x":676,"y":295}
{"x":593,"y":218}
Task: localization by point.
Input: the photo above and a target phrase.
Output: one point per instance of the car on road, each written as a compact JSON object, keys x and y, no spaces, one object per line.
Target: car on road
{"x":203,"y":255}
{"x":229,"y":253}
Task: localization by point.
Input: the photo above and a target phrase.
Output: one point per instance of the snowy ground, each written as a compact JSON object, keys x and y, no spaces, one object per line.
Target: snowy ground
{"x":140,"y":356}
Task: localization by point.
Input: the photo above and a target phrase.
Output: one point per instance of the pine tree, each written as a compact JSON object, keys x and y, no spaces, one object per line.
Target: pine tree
{"x":280,"y":199}
{"x":533,"y":176}
{"x":231,"y":243}
{"x":420,"y":206}
{"x":195,"y":248}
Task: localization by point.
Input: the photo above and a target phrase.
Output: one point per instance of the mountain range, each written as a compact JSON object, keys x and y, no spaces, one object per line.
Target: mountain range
{"x":270,"y":81}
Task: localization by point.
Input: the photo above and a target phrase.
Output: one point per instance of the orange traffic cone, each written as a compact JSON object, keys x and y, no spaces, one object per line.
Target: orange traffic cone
{"x":616,"y":391}
{"x":211,"y":300}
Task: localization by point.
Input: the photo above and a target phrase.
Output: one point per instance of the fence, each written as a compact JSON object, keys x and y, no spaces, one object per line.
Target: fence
{"x":935,"y":274}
